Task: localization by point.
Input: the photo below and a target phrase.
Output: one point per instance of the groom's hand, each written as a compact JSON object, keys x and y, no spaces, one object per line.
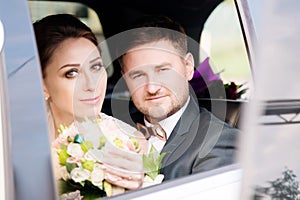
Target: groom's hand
{"x":123,"y":168}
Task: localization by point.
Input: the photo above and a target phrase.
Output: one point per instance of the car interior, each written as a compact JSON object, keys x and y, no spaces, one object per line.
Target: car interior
{"x":200,"y":20}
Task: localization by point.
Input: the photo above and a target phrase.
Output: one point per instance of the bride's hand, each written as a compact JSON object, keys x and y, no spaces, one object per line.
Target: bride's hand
{"x":143,"y":143}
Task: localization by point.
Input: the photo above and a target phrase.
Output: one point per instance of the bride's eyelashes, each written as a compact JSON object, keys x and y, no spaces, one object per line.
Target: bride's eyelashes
{"x":75,"y":69}
{"x":71,"y":73}
{"x":96,"y":67}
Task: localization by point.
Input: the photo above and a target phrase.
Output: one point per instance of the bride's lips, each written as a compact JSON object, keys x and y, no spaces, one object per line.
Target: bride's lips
{"x":91,"y":101}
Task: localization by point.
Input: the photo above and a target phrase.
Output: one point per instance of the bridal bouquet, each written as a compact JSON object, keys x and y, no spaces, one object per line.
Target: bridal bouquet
{"x":80,"y":148}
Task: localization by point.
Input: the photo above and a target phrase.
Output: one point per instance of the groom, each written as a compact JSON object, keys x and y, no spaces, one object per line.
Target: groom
{"x":157,"y":66}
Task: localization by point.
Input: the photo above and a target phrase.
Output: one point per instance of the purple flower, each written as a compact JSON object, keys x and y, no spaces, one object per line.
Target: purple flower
{"x":203,"y":77}
{"x":231,"y":91}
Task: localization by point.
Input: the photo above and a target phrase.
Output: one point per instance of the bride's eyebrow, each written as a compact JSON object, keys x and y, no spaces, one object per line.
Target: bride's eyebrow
{"x":97,"y":58}
{"x":68,"y":65}
{"x":78,"y":65}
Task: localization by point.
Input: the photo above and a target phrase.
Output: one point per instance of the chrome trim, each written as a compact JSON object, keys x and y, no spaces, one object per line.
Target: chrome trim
{"x":248,"y":30}
{"x":214,"y":182}
{"x":1,"y":36}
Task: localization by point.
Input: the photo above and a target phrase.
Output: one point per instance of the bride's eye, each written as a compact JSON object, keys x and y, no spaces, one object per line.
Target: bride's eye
{"x":72,"y":73}
{"x":96,"y":67}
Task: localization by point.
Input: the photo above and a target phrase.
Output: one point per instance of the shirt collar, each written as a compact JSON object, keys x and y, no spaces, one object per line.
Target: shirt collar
{"x":169,"y":123}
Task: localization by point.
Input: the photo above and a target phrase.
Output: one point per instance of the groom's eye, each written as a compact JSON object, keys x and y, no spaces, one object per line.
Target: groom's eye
{"x":136,"y":76}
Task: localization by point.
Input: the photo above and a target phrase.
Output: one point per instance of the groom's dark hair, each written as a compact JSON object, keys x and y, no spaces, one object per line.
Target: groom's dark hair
{"x":152,"y":28}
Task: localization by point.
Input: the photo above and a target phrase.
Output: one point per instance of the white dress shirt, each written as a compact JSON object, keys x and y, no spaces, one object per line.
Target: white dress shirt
{"x":168,"y":125}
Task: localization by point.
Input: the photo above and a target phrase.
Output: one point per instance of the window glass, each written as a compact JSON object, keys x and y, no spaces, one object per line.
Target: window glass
{"x":222,"y":41}
{"x":40,"y":9}
{"x":270,"y":145}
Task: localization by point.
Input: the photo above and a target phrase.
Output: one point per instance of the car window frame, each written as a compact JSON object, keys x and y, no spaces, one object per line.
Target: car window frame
{"x":248,"y":30}
{"x":30,"y":157}
{"x":51,"y":190}
{"x":6,"y":186}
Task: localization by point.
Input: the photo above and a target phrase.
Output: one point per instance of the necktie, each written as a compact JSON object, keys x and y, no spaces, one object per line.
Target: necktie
{"x":155,"y":130}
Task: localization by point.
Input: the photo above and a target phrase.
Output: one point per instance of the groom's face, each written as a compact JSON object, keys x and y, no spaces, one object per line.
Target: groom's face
{"x":157,"y":78}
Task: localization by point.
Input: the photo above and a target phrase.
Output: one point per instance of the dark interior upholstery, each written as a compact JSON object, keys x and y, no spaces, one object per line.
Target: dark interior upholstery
{"x":225,"y":109}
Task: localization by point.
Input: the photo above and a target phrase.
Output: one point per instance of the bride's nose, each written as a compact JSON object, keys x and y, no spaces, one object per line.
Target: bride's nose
{"x":89,"y":82}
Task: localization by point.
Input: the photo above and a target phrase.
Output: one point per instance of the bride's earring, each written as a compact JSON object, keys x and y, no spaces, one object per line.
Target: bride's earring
{"x":46,"y":96}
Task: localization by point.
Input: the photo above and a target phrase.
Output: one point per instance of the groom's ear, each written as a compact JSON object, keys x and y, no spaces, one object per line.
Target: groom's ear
{"x":46,"y":93}
{"x":189,"y":64}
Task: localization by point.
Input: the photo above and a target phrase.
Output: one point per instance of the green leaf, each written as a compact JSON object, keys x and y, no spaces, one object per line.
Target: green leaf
{"x":86,"y":145}
{"x":61,"y":128}
{"x":153,"y":162}
{"x":102,"y":141}
{"x":107,"y":187}
{"x":135,"y":142}
{"x":118,"y":143}
{"x":70,"y":166}
{"x":89,"y":191}
{"x":63,"y":156}
{"x":88,"y":164}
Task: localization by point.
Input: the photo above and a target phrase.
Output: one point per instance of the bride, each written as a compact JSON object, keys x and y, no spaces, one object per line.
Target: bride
{"x":74,"y":84}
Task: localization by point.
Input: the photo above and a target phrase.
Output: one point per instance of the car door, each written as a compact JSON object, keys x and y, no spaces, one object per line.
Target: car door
{"x":27,"y":158}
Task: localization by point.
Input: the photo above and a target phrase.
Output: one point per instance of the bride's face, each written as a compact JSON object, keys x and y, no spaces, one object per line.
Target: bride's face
{"x":75,"y":80}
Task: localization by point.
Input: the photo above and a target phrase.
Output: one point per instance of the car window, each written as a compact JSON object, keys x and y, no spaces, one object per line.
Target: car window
{"x":231,"y":61}
{"x":256,"y":10}
{"x":271,"y":142}
{"x":222,"y":41}
{"x":40,"y":9}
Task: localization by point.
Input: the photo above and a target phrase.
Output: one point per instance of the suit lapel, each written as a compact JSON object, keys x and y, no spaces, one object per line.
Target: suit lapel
{"x":179,"y":134}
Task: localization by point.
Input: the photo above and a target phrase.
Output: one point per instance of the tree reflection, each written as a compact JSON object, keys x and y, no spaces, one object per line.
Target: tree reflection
{"x":283,"y":188}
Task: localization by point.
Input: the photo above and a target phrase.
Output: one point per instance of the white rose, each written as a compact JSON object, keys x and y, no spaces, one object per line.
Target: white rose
{"x":91,"y":132}
{"x":95,"y":154}
{"x":75,"y":150}
{"x":79,"y":174}
{"x":159,"y":178}
{"x":117,"y":190}
{"x":97,"y":177}
{"x":97,"y":166}
{"x":148,"y":181}
{"x":89,"y":156}
{"x":64,"y":174}
{"x":69,"y":131}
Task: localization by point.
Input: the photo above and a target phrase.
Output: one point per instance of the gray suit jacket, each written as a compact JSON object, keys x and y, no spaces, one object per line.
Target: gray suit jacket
{"x":199,"y":142}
